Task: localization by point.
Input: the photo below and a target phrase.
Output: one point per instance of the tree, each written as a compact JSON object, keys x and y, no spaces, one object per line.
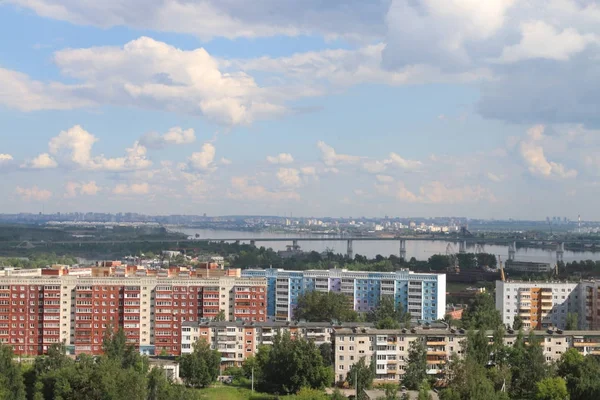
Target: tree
{"x":391,"y":391}
{"x":314,"y":306}
{"x":438,"y":262}
{"x":416,"y":370}
{"x":482,"y":313}
{"x":388,"y":314}
{"x":326,"y":350}
{"x":517,"y":324}
{"x":200,"y":368}
{"x":289,"y":365}
{"x":337,"y":395}
{"x":571,"y":323}
{"x":551,"y":389}
{"x":581,"y":374}
{"x":528,"y":366}
{"x":424,"y":392}
{"x":11,"y":379}
{"x":220,"y":316}
{"x":361,"y":375}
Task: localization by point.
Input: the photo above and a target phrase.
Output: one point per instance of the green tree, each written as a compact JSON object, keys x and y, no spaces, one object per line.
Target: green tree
{"x":201,"y":368}
{"x":528,"y":366}
{"x":289,"y":365}
{"x":317,"y":306}
{"x":12,"y":386}
{"x":220,"y":316}
{"x":388,"y":314}
{"x":581,"y":375}
{"x":326,"y":350}
{"x":517,"y":323}
{"x":337,"y":395}
{"x":482,"y":313}
{"x":571,"y":323}
{"x":391,"y":391}
{"x":416,"y":370}
{"x":551,"y":389}
{"x":439,"y":262}
{"x":361,"y":375}
{"x":424,"y":392}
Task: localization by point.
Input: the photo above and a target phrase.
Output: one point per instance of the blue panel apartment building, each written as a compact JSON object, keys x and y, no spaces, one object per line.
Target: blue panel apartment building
{"x":421,"y":294}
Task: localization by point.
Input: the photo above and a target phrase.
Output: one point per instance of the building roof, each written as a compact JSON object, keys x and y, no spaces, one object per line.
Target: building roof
{"x":277,"y":324}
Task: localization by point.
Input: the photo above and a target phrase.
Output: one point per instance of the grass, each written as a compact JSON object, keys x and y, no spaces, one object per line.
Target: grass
{"x":223,"y":392}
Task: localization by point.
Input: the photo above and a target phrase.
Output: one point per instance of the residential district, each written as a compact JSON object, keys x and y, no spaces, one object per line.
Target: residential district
{"x":165,"y":311}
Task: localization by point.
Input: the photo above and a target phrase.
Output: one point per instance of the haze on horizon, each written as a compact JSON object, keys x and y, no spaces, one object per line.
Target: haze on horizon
{"x":486,"y":109}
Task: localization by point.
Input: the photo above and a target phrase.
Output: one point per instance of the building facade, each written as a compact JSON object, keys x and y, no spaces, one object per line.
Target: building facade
{"x":421,"y":294}
{"x":36,"y":312}
{"x":541,"y":304}
{"x":238,"y":340}
{"x":389,"y":348}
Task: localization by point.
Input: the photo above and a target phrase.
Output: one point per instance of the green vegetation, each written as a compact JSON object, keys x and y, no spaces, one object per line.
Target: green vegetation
{"x":482,"y":313}
{"x":416,"y":369}
{"x":324,"y":306}
{"x":388,"y":314}
{"x":361,"y":375}
{"x":290,"y":365}
{"x":201,"y":368}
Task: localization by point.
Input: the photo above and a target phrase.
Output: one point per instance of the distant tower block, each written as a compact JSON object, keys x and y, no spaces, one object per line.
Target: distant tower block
{"x":512,"y":249}
{"x":349,"y":251}
{"x":403,"y":249}
{"x":560,"y":251}
{"x":462,"y":246}
{"x":253,"y":243}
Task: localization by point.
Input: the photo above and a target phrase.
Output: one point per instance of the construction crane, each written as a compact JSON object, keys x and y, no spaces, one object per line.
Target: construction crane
{"x":502,"y":277}
{"x":451,"y":253}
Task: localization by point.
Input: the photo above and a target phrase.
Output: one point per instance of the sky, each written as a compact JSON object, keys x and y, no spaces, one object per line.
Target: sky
{"x":483,"y":109}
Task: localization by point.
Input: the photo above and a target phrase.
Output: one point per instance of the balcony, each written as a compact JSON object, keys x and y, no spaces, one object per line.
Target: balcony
{"x":436,"y":343}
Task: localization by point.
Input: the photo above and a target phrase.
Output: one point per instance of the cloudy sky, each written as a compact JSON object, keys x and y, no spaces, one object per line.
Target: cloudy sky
{"x":341,"y":107}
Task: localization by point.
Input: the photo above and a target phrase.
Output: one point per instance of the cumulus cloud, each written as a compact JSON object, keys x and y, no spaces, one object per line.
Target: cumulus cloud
{"x":289,"y":177}
{"x":435,"y":192}
{"x":243,"y":189}
{"x":33,"y":193}
{"x":384,"y":178}
{"x":203,"y":160}
{"x":42,"y":161}
{"x":175,"y":135}
{"x":131,"y":189}
{"x":542,"y":40}
{"x":396,"y":160}
{"x":308,"y":171}
{"x":152,"y":74}
{"x":5,"y":158}
{"x":532,"y":153}
{"x":351,"y":18}
{"x":73,"y":147}
{"x":281,"y":158}
{"x":331,"y":158}
{"x":73,"y":189}
{"x":225,"y":161}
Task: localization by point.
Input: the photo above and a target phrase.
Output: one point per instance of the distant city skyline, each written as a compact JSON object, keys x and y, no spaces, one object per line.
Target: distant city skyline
{"x":316,"y":108}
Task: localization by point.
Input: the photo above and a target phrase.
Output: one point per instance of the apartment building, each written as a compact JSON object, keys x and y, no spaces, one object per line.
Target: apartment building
{"x":36,"y":312}
{"x":389,"y":348}
{"x":421,"y":294}
{"x":238,"y":340}
{"x":540,"y":304}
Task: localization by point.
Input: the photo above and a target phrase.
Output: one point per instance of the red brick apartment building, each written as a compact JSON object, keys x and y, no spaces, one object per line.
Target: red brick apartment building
{"x":38,"y":311}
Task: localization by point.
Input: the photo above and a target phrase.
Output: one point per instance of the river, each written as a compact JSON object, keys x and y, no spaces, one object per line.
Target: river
{"x":419,"y":249}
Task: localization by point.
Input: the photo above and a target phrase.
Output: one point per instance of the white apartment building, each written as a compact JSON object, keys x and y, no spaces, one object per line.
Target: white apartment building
{"x":238,"y":340}
{"x":390,"y":348}
{"x":539,"y":304}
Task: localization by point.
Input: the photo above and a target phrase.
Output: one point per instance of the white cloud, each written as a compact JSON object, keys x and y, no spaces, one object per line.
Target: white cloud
{"x":532,"y":153}
{"x":225,"y":161}
{"x":175,"y":135}
{"x":231,"y":19}
{"x":375,"y":166}
{"x":203,"y":160}
{"x":289,"y":177}
{"x":308,"y":171}
{"x":438,"y":31}
{"x":74,"y":148}
{"x":131,"y":189}
{"x":5,"y":158}
{"x":396,"y":160}
{"x":42,"y":161}
{"x":151,"y":74}
{"x":384,"y":178}
{"x":493,"y":177}
{"x":438,"y":192}
{"x":73,"y":189}
{"x":33,"y":193}
{"x":24,"y":94}
{"x":281,"y":158}
{"x":243,"y":189}
{"x":542,"y":40}
{"x":331,"y":158}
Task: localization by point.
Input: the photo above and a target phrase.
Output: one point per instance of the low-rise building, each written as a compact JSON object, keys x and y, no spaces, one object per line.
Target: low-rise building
{"x":528,"y":266}
{"x":389,"y":349}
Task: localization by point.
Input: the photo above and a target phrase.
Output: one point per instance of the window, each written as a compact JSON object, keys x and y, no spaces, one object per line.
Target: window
{"x":341,"y":348}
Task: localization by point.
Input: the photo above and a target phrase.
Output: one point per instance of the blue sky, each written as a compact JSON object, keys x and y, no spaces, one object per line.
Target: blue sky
{"x":339,"y":108}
